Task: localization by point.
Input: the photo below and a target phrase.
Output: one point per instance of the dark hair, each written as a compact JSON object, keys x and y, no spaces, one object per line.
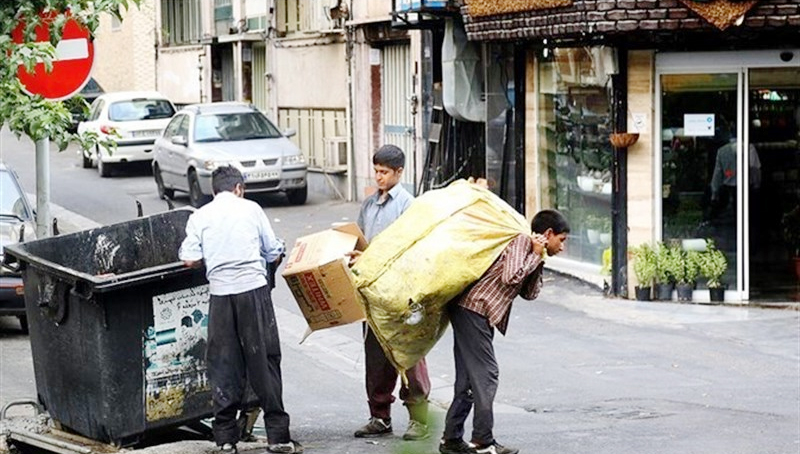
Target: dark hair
{"x":225,"y":179}
{"x":390,"y":156}
{"x":549,"y":219}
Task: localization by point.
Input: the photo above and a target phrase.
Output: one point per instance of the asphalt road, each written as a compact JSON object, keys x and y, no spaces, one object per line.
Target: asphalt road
{"x":579,"y":373}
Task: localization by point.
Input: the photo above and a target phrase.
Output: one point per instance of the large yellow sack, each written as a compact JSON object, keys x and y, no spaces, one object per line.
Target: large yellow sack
{"x":444,"y":242}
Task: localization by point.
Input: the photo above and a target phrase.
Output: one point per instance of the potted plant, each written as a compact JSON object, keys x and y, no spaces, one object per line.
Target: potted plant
{"x":605,"y":230}
{"x":668,"y":266}
{"x":687,"y":281}
{"x":592,"y":228}
{"x":791,"y":234}
{"x":713,"y":265}
{"x":644,"y":268}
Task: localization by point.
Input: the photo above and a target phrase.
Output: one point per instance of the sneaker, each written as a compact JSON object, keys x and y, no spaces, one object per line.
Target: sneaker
{"x":416,"y":431}
{"x":494,"y":448}
{"x":229,"y":448}
{"x":455,"y":446}
{"x":286,"y":448}
{"x":376,"y":427}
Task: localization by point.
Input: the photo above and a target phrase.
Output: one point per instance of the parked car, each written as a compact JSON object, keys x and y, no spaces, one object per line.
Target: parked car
{"x":89,"y":93}
{"x":202,"y":137}
{"x":133,"y":120}
{"x":17,"y":224}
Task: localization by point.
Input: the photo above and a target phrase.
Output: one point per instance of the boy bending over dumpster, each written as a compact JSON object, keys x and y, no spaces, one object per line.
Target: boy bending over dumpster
{"x":475,"y":314}
{"x":234,"y":238}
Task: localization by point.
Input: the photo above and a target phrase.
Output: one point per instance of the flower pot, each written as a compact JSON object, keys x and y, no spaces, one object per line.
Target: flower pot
{"x":642,"y":293}
{"x":605,"y":239}
{"x":717,"y":294}
{"x":685,"y":291}
{"x":593,"y":236}
{"x":664,"y":291}
{"x":623,"y":139}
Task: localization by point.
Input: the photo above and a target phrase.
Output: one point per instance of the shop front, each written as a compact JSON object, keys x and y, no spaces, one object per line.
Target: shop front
{"x":728,"y":163}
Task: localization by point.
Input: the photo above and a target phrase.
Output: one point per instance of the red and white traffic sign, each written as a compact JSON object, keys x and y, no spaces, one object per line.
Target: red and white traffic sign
{"x":71,"y":67}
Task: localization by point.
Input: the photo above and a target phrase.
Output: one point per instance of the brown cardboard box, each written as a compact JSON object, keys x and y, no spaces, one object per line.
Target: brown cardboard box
{"x":319,"y":278}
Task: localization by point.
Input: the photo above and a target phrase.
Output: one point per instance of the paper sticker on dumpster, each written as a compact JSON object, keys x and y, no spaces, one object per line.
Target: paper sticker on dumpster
{"x":175,"y":346}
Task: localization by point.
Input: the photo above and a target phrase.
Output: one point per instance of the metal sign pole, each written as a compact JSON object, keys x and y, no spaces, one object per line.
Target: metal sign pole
{"x":43,"y":221}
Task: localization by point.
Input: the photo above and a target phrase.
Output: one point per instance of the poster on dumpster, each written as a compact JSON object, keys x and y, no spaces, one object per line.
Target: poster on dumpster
{"x":174,"y":352}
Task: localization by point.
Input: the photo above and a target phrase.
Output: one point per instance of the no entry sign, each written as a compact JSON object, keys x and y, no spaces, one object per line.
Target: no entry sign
{"x":71,"y":67}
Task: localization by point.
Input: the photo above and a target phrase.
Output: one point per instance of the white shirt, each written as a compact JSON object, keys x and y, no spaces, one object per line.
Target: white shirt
{"x":234,"y":238}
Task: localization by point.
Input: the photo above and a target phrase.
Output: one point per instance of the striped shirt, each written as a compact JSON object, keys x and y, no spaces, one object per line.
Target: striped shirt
{"x":518,"y":271}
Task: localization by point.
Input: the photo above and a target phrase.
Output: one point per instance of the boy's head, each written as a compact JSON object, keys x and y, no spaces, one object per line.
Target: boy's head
{"x":388,"y":163}
{"x":227,"y":178}
{"x":554,"y":226}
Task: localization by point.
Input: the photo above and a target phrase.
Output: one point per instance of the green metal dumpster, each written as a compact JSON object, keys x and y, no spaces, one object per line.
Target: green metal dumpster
{"x":118,"y":328}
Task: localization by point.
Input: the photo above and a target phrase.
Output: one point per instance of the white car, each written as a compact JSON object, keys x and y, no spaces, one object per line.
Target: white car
{"x":133,"y":120}
{"x":202,"y":137}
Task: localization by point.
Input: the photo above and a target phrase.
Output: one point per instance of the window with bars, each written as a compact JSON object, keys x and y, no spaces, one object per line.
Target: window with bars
{"x":181,"y":22}
{"x":305,"y":16}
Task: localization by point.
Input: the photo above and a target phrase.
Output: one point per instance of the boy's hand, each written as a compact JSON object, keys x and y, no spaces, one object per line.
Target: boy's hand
{"x":354,"y":255}
{"x":539,"y":243}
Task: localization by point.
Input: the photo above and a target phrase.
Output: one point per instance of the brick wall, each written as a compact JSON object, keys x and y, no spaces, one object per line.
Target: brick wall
{"x":587,"y":20}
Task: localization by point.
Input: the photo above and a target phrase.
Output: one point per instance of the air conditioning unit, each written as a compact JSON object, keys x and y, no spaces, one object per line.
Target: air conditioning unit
{"x":335,"y":158}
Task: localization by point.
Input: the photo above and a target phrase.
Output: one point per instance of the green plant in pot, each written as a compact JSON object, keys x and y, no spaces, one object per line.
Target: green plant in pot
{"x":668,"y":267}
{"x":688,"y":279}
{"x":713,"y":265}
{"x":644,"y":268}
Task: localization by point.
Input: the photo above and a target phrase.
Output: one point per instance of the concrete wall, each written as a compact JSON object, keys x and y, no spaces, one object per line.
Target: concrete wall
{"x":311,"y":76}
{"x":371,"y":9}
{"x":641,"y":165}
{"x":179,"y":75}
{"x":125,"y":56}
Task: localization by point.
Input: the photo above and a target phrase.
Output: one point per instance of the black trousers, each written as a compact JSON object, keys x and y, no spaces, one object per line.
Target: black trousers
{"x":243,"y":346}
{"x":476,"y":376}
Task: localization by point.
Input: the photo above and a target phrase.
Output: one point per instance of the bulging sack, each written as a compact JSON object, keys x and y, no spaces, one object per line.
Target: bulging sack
{"x":443,"y":243}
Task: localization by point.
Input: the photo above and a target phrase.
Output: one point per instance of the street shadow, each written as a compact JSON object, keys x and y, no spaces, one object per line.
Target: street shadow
{"x":10,"y":328}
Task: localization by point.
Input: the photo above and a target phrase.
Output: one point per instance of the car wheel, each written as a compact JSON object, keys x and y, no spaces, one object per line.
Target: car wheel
{"x":23,"y":323}
{"x":196,"y":196}
{"x":163,"y":192}
{"x":86,"y":159}
{"x":104,"y":169}
{"x":297,"y":196}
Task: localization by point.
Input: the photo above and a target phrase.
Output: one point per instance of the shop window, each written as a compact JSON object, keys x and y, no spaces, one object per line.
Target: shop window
{"x":575,"y":155}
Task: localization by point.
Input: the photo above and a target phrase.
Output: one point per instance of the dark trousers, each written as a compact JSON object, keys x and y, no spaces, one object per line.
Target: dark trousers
{"x":382,"y":379}
{"x":243,"y":346}
{"x":476,"y":376}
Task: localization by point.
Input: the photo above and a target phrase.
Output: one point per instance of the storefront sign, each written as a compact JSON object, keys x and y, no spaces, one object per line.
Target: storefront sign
{"x":698,"y":125}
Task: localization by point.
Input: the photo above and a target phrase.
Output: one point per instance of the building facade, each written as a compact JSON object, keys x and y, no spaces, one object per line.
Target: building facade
{"x":709,"y":87}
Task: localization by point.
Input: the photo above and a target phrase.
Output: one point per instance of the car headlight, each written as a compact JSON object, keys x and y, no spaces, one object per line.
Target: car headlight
{"x":213,"y":165}
{"x":294,"y":159}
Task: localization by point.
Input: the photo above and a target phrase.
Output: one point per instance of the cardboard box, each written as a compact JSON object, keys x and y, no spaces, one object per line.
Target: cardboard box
{"x":319,"y":278}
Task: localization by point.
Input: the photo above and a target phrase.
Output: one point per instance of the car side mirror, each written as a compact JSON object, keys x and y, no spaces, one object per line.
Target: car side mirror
{"x":179,"y":140}
{"x":289,"y":132}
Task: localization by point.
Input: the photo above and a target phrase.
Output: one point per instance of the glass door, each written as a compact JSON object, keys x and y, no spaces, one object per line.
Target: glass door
{"x":773,"y":188}
{"x":700,"y":147}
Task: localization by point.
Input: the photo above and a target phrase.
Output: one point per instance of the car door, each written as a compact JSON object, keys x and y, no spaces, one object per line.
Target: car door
{"x":167,"y":152}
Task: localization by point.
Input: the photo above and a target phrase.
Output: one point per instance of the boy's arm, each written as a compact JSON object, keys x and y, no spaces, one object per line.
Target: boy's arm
{"x":520,"y":260}
{"x":191,"y":250}
{"x":533,"y":284}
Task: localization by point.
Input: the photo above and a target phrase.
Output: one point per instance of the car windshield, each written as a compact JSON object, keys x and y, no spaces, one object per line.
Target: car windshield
{"x":231,"y":127}
{"x":12,"y":203}
{"x":140,"y":109}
